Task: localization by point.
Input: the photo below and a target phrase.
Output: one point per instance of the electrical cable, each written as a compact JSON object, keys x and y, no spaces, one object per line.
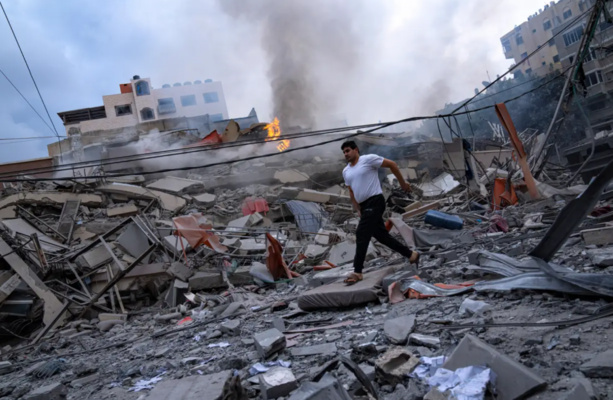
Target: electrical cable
{"x":26,"y":100}
{"x":241,"y":143}
{"x":379,"y":126}
{"x":524,"y":60}
{"x":32,"y":76}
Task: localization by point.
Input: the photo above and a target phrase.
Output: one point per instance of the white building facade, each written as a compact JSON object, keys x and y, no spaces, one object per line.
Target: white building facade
{"x":139,"y":102}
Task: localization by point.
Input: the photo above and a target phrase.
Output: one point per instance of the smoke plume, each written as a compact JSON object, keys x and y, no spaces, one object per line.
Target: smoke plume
{"x":310,"y":49}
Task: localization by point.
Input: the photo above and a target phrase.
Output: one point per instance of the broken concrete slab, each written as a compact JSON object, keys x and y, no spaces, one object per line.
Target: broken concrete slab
{"x":112,"y":317}
{"x":94,"y":258}
{"x":601,"y":257}
{"x":583,"y":390}
{"x":195,"y":387}
{"x":241,"y":276}
{"x":232,"y":309}
{"x":291,"y":176}
{"x":180,"y":271}
{"x":107,"y":325}
{"x":398,"y":329}
{"x":206,"y":280}
{"x":53,"y":391}
{"x":174,"y":185}
{"x":598,"y":236}
{"x":513,"y":381}
{"x":600,"y":366}
{"x":134,"y":242}
{"x":424,"y":340}
{"x":269,"y":342}
{"x":19,"y":225}
{"x":125,"y":210}
{"x":205,"y":199}
{"x":319,"y":349}
{"x":472,"y":307}
{"x":8,"y":213}
{"x":52,"y":306}
{"x":253,"y":245}
{"x":277,"y":382}
{"x":395,"y":365}
{"x":232,"y":327}
{"x":51,"y":198}
{"x":79,"y":382}
{"x":328,"y":388}
{"x":167,"y":201}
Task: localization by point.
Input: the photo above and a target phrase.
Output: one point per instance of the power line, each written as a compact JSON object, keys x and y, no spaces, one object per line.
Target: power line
{"x":524,"y":60}
{"x":32,"y":76}
{"x":379,"y":126}
{"x":26,"y":100}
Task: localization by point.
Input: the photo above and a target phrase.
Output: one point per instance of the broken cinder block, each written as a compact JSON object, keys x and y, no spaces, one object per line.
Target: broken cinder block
{"x":277,"y":382}
{"x":398,"y":329}
{"x":395,"y":365}
{"x":122,"y":211}
{"x":269,"y":342}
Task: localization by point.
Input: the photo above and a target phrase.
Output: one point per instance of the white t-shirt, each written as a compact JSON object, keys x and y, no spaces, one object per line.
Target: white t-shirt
{"x":363,"y":177}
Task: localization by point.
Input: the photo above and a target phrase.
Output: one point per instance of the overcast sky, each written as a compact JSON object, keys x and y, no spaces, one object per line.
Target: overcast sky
{"x":407,"y":57}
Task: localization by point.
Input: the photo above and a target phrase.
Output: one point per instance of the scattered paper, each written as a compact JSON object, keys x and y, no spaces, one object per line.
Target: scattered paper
{"x":428,"y":367}
{"x":146,"y":384}
{"x":222,"y":344}
{"x":469,"y":383}
{"x":260,"y":368}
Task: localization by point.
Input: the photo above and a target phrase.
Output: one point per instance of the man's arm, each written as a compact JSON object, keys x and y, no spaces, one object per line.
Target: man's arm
{"x":396,"y":171}
{"x":356,"y":206}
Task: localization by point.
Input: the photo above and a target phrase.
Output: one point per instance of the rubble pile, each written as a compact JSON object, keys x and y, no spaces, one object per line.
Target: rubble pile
{"x":200,"y":287}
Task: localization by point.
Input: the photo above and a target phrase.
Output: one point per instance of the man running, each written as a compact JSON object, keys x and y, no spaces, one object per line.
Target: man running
{"x":361,"y":177}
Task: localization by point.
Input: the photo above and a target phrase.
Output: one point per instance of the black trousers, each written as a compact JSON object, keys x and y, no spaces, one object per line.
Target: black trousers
{"x":372,"y":225}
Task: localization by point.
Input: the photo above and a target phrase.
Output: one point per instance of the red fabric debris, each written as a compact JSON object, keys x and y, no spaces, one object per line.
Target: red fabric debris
{"x":598,"y":211}
{"x":252,"y":205}
{"x":498,"y":224}
{"x":396,"y":296}
{"x":274,"y":260}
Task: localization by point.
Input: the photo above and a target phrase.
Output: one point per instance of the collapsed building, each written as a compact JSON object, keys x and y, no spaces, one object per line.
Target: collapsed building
{"x":227,"y":280}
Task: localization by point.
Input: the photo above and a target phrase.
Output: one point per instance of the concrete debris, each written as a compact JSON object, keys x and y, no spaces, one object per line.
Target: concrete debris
{"x":174,"y":185}
{"x":395,"y":365}
{"x":472,"y":307}
{"x":122,"y":211}
{"x":513,"y":381}
{"x":269,"y":342}
{"x":398,"y":329}
{"x":600,"y":366}
{"x":277,"y":382}
{"x":140,"y":283}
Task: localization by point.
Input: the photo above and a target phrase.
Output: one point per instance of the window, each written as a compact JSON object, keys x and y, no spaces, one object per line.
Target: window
{"x":593,"y":78}
{"x":123,"y":110}
{"x":528,"y":71}
{"x":524,"y":55}
{"x":211,"y":97}
{"x":567,"y":13}
{"x":573,"y":36}
{"x":552,"y":42}
{"x":571,"y":59}
{"x":582,"y":6}
{"x":189,"y":100}
{"x":506,"y":45}
{"x":216,"y":117}
{"x":591,"y":55}
{"x":547,"y":24}
{"x":556,"y":58}
{"x":519,"y":40}
{"x":142,"y":88}
{"x":597,"y":105}
{"x":543,"y":63}
{"x":166,"y":106}
{"x":533,"y":30}
{"x":146,"y":114}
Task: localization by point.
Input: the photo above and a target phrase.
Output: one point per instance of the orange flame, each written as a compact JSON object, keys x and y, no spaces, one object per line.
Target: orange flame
{"x":274,"y":131}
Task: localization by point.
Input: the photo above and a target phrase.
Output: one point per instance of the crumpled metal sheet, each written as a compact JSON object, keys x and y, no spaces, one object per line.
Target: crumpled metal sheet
{"x":309,"y":216}
{"x":572,"y":215}
{"x":597,"y":284}
{"x":504,"y":265}
{"x":531,"y":281}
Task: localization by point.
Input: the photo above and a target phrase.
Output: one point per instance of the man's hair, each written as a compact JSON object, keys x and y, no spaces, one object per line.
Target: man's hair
{"x":351,"y":144}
